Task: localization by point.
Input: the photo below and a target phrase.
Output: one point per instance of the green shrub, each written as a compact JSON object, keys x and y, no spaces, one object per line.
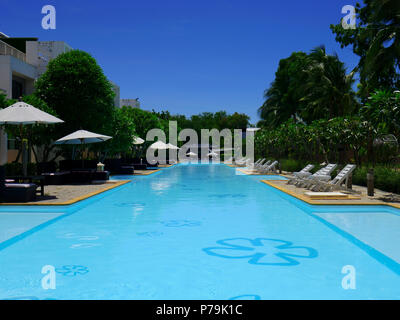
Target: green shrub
{"x":292,"y":165}
{"x":385,"y":178}
{"x":15,"y":169}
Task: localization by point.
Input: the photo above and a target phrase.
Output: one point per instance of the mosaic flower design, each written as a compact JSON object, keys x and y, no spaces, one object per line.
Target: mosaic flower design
{"x":84,"y":245}
{"x":246,"y":297}
{"x":72,"y":270}
{"x":130,"y":204}
{"x":149,"y":234}
{"x":181,"y":223}
{"x":262,"y":251}
{"x":228,"y":195}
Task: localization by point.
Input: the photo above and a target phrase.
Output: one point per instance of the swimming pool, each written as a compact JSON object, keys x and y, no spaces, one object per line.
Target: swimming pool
{"x":199,"y":232}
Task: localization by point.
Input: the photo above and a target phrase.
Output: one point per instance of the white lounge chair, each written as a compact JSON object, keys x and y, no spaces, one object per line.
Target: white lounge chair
{"x":305,"y":172}
{"x":269,"y":168}
{"x":263,"y":165}
{"x":242,"y":162}
{"x":255,"y":164}
{"x":323,"y":174}
{"x":259,"y":167}
{"x":336,"y":183}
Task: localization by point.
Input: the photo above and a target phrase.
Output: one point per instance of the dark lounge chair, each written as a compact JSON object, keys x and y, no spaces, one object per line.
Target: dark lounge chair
{"x":118,"y":166}
{"x":73,"y":171}
{"x":19,"y":192}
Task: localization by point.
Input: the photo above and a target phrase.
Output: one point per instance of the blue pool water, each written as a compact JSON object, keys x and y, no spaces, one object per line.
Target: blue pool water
{"x":199,"y":232}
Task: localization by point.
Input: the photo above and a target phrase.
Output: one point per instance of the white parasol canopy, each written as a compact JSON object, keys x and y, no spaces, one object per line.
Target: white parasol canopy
{"x":212,"y":154}
{"x":172,"y":147}
{"x":159,"y":145}
{"x":191,"y":154}
{"x":22,"y":113}
{"x":138,"y":140}
{"x":82,"y":137}
{"x":253,"y":129}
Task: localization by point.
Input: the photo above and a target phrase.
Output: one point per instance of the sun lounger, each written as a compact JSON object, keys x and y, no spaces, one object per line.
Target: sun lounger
{"x":242,"y":162}
{"x":323,"y":174}
{"x":255,"y":164}
{"x":262,"y":166}
{"x":305,"y":172}
{"x":335,"y":183}
{"x":269,"y":168}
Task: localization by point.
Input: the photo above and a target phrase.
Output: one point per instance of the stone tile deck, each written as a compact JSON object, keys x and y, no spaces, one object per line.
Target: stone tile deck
{"x":357,"y":199}
{"x":69,"y":194}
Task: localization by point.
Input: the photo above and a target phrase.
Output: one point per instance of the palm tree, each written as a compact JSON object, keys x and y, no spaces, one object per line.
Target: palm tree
{"x":382,"y":32}
{"x":328,"y":90}
{"x":282,"y":98}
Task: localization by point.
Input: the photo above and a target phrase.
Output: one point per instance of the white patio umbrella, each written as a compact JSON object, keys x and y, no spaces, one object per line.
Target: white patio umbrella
{"x":21,"y":113}
{"x":191,"y":154}
{"x":159,"y":145}
{"x":138,"y":140}
{"x":82,"y":137}
{"x":212,"y":154}
{"x":223,"y":149}
{"x":253,"y":129}
{"x":172,"y":147}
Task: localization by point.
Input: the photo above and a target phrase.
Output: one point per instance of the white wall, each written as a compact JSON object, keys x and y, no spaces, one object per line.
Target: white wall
{"x":6,"y":75}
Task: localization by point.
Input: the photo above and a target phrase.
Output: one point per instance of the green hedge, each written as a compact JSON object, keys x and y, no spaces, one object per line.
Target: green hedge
{"x":15,"y":169}
{"x":385,"y":178}
{"x":291,"y":165}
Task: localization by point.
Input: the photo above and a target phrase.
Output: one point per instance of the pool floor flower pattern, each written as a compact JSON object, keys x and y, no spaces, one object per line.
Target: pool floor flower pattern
{"x":72,"y":270}
{"x":246,"y":297}
{"x":181,"y":223}
{"x":262,"y":251}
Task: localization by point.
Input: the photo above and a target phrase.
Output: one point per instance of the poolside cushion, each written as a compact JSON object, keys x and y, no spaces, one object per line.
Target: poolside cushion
{"x":327,"y":195}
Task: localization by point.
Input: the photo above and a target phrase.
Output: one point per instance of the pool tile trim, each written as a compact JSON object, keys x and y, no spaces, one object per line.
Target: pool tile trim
{"x":337,"y":201}
{"x":112,"y":185}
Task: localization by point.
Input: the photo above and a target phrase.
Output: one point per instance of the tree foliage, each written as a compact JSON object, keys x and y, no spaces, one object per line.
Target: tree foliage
{"x":308,"y":87}
{"x":76,"y":88}
{"x":376,"y":40}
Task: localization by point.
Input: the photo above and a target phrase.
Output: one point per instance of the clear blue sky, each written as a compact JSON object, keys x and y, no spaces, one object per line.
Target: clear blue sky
{"x":182,"y":55}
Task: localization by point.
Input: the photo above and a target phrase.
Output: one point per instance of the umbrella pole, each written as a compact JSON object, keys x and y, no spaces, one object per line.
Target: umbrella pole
{"x":83,"y":161}
{"x":24,"y":155}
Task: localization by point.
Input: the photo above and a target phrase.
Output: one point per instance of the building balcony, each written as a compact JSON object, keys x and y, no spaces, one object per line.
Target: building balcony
{"x":7,"y":50}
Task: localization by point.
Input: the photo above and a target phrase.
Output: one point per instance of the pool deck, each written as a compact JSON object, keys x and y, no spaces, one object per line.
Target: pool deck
{"x":61,"y":195}
{"x":357,"y":199}
{"x":145,"y":172}
{"x":253,"y":172}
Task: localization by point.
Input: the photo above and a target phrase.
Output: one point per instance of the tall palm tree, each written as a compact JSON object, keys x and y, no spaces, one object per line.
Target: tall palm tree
{"x":382,"y":19}
{"x":282,"y":98}
{"x":328,"y":90}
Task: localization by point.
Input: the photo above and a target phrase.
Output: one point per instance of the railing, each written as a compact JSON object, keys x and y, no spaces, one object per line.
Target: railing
{"x":7,"y":50}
